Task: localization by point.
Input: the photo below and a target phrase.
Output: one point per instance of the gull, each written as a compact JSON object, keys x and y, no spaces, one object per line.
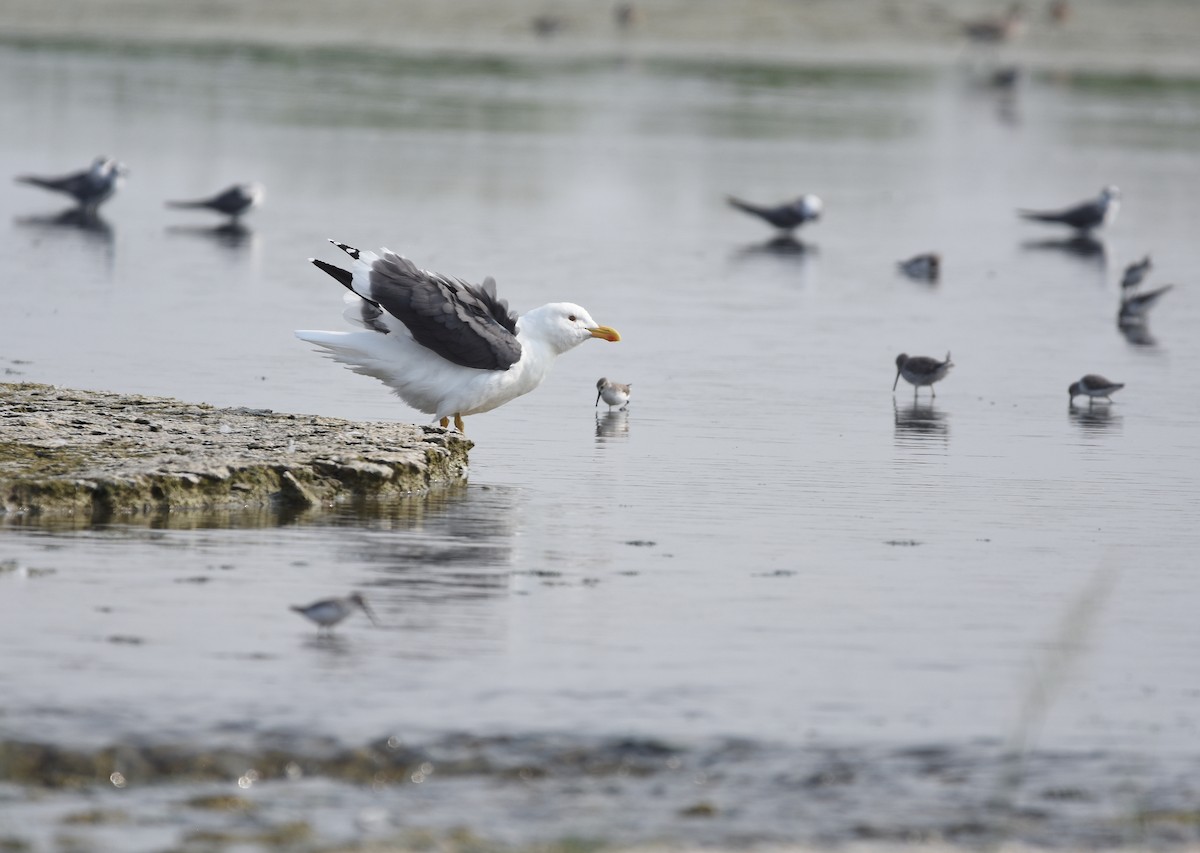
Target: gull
{"x":924,"y":267}
{"x":1135,"y":308}
{"x":232,"y":202}
{"x":921,"y":370}
{"x":1094,"y":386}
{"x":785,"y":217}
{"x":613,"y":393}
{"x":446,"y":347}
{"x":1083,"y":217}
{"x":330,"y":611}
{"x":1134,"y":273}
{"x":90,"y":188}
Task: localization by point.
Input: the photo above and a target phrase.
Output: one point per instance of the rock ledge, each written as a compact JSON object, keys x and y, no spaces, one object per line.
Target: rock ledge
{"x":111,"y":455}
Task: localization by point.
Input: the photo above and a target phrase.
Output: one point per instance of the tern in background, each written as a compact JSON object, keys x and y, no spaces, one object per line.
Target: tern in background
{"x":994,"y":30}
{"x":926,"y":267}
{"x":446,"y":347}
{"x":90,"y":188}
{"x":1083,"y":217}
{"x":1134,"y":308}
{"x":785,"y":217}
{"x":233,"y":202}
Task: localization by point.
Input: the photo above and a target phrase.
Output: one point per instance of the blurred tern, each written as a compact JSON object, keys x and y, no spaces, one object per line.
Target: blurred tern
{"x":330,"y":611}
{"x":1093,"y":386}
{"x":446,"y":347}
{"x":1134,"y":273}
{"x":233,"y":202}
{"x":994,"y":30}
{"x":785,"y":217}
{"x":90,"y":188}
{"x":613,"y":393}
{"x":1135,"y":308}
{"x":1083,"y":217}
{"x":926,"y":267}
{"x":921,"y":370}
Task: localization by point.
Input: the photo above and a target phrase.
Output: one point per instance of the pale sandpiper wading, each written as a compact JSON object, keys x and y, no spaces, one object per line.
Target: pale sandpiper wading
{"x":613,"y":393}
{"x":330,"y":611}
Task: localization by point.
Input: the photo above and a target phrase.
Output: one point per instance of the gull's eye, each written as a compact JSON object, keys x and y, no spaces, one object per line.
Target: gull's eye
{"x":571,"y":318}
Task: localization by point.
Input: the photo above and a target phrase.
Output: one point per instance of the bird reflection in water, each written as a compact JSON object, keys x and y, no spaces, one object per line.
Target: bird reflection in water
{"x":331,"y":646}
{"x":1094,"y":418}
{"x":81,"y":219}
{"x":920,"y":420}
{"x":1082,"y":246}
{"x":86,"y":222}
{"x":612,"y":424}
{"x":231,"y":235}
{"x":780,"y":246}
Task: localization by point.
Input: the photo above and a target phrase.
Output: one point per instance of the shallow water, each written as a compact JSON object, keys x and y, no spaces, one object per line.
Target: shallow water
{"x":767,"y":546}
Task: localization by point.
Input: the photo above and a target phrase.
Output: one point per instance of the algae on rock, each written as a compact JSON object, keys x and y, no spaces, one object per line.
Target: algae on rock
{"x":103,"y":456}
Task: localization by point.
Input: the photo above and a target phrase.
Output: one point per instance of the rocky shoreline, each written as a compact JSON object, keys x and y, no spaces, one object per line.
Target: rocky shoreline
{"x":109,"y":456}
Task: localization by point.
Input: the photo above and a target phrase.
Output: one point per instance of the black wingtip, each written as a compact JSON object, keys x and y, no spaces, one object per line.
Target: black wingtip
{"x":349,"y":250}
{"x":344,"y":277}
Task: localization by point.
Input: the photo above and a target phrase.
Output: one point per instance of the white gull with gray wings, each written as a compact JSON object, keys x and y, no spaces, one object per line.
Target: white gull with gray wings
{"x":446,"y":347}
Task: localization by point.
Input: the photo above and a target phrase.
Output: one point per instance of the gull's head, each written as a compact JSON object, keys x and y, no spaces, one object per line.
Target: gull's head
{"x":1110,"y":193}
{"x":563,"y":326}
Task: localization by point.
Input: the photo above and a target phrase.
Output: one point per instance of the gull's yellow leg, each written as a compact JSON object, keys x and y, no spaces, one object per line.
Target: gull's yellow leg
{"x":458,"y":424}
{"x":445,"y":422}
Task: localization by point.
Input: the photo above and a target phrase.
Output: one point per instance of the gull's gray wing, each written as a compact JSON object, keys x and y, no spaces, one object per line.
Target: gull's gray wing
{"x":463,"y":323}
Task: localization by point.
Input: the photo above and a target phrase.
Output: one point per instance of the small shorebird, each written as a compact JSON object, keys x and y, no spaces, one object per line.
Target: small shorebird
{"x":613,"y":393}
{"x":1094,"y":386}
{"x":446,"y":347}
{"x":785,"y":217}
{"x":232,"y":202}
{"x":1135,"y":308}
{"x":921,"y":370}
{"x":924,"y":267}
{"x":993,"y":30}
{"x":330,"y":611}
{"x":90,"y":188}
{"x":1134,"y":273}
{"x":1085,"y":216}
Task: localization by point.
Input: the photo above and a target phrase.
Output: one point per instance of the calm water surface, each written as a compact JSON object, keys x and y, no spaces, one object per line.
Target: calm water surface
{"x":769,"y":546}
